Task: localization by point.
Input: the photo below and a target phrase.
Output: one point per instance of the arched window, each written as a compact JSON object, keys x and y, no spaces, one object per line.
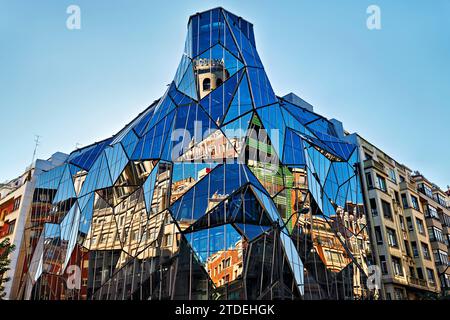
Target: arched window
{"x":218,"y":82}
{"x":206,"y":84}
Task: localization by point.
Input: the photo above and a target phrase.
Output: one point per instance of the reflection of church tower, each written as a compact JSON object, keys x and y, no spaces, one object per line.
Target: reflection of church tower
{"x":210,"y":73}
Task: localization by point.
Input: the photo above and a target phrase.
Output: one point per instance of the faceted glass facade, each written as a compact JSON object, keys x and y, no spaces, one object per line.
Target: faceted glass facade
{"x":218,"y":190}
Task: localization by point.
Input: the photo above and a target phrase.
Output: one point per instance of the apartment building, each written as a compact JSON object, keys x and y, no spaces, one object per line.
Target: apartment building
{"x":16,"y":198}
{"x":435,"y":203}
{"x":397,"y":221}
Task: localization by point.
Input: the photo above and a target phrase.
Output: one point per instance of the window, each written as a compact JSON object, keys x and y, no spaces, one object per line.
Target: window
{"x":383,"y":265}
{"x":397,"y":266}
{"x":426,"y":189}
{"x":432,"y":212}
{"x":206,"y":84}
{"x":410,"y":224}
{"x":17,"y":203}
{"x":405,"y":201}
{"x":425,"y":251}
{"x":381,"y":183}
{"x":11,"y":226}
{"x":392,"y":237}
{"x":392,"y":175}
{"x":396,"y":197}
{"x":399,"y":294}
{"x":373,"y":207}
{"x":412,"y":272}
{"x":415,"y":202}
{"x":168,"y":240}
{"x":436,"y":234}
{"x":445,"y":280}
{"x":218,"y":82}
{"x":369,"y":181}
{"x":378,"y":235}
{"x":408,"y":250}
{"x":441,"y":257}
{"x":402,"y":178}
{"x":368,"y":156}
{"x":430,"y":275}
{"x":419,"y":273}
{"x":414,"y":249}
{"x":387,"y":212}
{"x":445,"y":220}
{"x":420,"y":227}
{"x":226,"y":263}
{"x":402,"y":223}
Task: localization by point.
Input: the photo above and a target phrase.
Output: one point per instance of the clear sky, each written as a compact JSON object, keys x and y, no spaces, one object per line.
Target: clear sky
{"x":392,"y":86}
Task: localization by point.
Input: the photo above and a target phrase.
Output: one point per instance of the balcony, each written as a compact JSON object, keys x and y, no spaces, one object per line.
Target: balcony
{"x":417,"y":282}
{"x":375,"y":164}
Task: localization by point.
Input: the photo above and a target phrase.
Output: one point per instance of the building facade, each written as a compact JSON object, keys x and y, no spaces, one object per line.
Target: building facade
{"x":435,"y":204}
{"x":219,"y":190}
{"x":16,"y":198}
{"x":400,"y":231}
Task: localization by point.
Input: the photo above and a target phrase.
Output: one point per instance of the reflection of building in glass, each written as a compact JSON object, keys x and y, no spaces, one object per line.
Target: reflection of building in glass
{"x":146,"y":216}
{"x":210,"y":73}
{"x":226,"y":266}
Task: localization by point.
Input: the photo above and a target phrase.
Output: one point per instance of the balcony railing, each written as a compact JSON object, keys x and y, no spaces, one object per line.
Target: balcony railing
{"x":417,"y":282}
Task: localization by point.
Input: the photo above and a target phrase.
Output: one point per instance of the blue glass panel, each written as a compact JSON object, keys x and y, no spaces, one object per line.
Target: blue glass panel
{"x":294,"y":153}
{"x":268,"y":205}
{"x":294,"y":260}
{"x":216,"y":103}
{"x":205,"y":29}
{"x":323,"y":126}
{"x":86,"y":204}
{"x":301,"y":114}
{"x":188,"y":83}
{"x":227,"y":40}
{"x":213,"y":188}
{"x":273,"y":122}
{"x":341,"y":196}
{"x":50,"y":179}
{"x":162,"y":109}
{"x":191,"y":125}
{"x":150,"y":145}
{"x":143,"y":120}
{"x":89,"y":155}
{"x":242,"y":101}
{"x":236,"y":131}
{"x":104,"y":178}
{"x":66,"y":189}
{"x":181,"y":70}
{"x":248,"y":51}
{"x":129,"y":142}
{"x":179,"y":98}
{"x":207,"y":242}
{"x":320,"y":163}
{"x":263,"y":94}
{"x":252,"y":231}
{"x":69,"y":231}
{"x":331,"y":185}
{"x":245,"y":27}
{"x":230,"y":63}
{"x":149,"y":187}
{"x":117,"y":160}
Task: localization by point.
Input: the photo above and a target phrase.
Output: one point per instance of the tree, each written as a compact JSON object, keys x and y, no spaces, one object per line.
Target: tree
{"x":5,"y":249}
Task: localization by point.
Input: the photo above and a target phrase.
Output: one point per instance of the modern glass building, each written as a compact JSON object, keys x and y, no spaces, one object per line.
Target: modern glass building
{"x":218,"y":190}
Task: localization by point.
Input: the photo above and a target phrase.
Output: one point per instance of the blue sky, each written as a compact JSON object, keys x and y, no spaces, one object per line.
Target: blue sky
{"x":392,"y":86}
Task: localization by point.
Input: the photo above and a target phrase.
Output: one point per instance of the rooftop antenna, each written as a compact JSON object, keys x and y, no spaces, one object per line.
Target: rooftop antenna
{"x":36,"y":144}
